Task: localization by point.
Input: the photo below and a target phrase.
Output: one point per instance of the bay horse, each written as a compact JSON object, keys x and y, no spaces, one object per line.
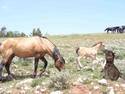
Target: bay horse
{"x":88,"y":52}
{"x":25,"y":47}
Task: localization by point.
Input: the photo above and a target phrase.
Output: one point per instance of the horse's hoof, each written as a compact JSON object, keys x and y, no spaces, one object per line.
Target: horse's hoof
{"x":33,"y":76}
{"x":3,"y":79}
{"x":10,"y":77}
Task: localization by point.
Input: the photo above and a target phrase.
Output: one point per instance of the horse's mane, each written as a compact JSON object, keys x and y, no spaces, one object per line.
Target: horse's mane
{"x":56,"y":55}
{"x":48,"y":40}
{"x":96,"y":44}
{"x":44,"y":37}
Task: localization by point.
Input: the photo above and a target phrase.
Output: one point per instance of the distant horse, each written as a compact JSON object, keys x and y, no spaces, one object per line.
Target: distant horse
{"x":120,"y":30}
{"x":91,"y":52}
{"x":112,"y":29}
{"x":36,"y":47}
{"x":123,"y":28}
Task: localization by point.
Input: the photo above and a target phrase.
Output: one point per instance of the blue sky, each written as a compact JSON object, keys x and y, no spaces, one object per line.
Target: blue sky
{"x":61,"y":16}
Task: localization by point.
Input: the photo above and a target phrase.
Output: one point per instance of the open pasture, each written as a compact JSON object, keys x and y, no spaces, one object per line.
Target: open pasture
{"x":63,"y":81}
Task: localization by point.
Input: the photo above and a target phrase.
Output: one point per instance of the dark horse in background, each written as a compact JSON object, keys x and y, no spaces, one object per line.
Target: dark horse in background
{"x":24,"y":47}
{"x":112,"y":29}
{"x":116,"y":29}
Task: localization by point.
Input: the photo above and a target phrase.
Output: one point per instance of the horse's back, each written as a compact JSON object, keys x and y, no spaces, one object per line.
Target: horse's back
{"x":24,"y":46}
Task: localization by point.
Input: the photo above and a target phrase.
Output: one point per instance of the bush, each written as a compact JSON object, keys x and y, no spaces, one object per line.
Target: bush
{"x":60,"y":81}
{"x":35,"y":82}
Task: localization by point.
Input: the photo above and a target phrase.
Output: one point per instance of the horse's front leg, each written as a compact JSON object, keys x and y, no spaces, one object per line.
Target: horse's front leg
{"x":35,"y":67}
{"x":45,"y":65}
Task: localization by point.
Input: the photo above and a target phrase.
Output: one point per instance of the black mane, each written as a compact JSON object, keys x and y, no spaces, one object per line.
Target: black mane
{"x":56,"y":55}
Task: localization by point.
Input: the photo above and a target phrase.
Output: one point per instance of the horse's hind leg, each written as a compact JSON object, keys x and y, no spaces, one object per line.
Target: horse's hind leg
{"x":7,"y":66}
{"x":45,"y":65}
{"x":35,"y":67}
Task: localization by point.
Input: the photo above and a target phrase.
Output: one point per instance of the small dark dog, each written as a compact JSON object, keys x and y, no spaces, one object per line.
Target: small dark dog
{"x":110,"y":70}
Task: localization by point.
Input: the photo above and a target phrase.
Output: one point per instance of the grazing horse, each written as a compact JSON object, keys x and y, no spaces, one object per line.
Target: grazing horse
{"x":24,"y":47}
{"x":91,"y":52}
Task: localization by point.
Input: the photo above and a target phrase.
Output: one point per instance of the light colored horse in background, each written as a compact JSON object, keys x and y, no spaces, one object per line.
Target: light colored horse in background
{"x":88,"y":52}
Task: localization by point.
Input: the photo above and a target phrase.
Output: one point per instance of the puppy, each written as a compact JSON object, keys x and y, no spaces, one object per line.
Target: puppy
{"x":110,"y":70}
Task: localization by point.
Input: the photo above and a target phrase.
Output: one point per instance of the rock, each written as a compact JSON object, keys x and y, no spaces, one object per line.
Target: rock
{"x":103,"y":82}
{"x":117,"y":85}
{"x":2,"y":90}
{"x":56,"y":92}
{"x":123,"y":85}
{"x":80,"y":80}
{"x":40,"y":90}
{"x":79,"y":89}
{"x":111,"y":90}
{"x":96,"y":87}
{"x":25,"y":84}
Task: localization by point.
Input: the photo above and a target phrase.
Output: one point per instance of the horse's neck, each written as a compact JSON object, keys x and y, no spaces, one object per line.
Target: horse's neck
{"x":55,"y":53}
{"x":97,"y":47}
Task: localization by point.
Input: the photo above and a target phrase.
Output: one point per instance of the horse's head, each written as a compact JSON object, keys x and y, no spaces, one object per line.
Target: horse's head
{"x":99,"y":45}
{"x":59,"y":60}
{"x":109,"y":55}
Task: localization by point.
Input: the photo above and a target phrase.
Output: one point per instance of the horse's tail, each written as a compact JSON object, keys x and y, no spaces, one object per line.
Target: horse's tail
{"x":77,"y":49}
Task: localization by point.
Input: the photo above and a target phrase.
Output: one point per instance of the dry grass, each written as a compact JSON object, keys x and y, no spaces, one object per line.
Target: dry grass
{"x":67,"y":46}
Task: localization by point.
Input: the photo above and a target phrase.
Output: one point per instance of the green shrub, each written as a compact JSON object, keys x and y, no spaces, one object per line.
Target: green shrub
{"x":60,"y":81}
{"x":36,"y":82}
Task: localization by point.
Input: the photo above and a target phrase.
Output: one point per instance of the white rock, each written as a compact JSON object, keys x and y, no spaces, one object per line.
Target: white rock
{"x":25,"y":83}
{"x":117,"y":85}
{"x":123,"y":85}
{"x":96,"y":87}
{"x":103,"y":82}
{"x":56,"y":92}
{"x":40,"y":90}
{"x":111,"y":90}
{"x":80,"y":80}
{"x":9,"y":92}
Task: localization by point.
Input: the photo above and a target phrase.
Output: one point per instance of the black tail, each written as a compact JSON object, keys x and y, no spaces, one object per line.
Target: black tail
{"x":77,"y":50}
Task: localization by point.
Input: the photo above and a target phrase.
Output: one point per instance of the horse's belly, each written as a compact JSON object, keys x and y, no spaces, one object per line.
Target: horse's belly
{"x":24,"y":54}
{"x":29,"y":54}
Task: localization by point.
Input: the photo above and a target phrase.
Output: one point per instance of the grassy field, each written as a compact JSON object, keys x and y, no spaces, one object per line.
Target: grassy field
{"x":63,"y":81}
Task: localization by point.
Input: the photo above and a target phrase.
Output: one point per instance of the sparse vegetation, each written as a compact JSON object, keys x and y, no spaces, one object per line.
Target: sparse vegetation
{"x":64,"y":80}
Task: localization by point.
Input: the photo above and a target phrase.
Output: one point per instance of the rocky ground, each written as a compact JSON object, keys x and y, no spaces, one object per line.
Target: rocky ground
{"x":70,"y":81}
